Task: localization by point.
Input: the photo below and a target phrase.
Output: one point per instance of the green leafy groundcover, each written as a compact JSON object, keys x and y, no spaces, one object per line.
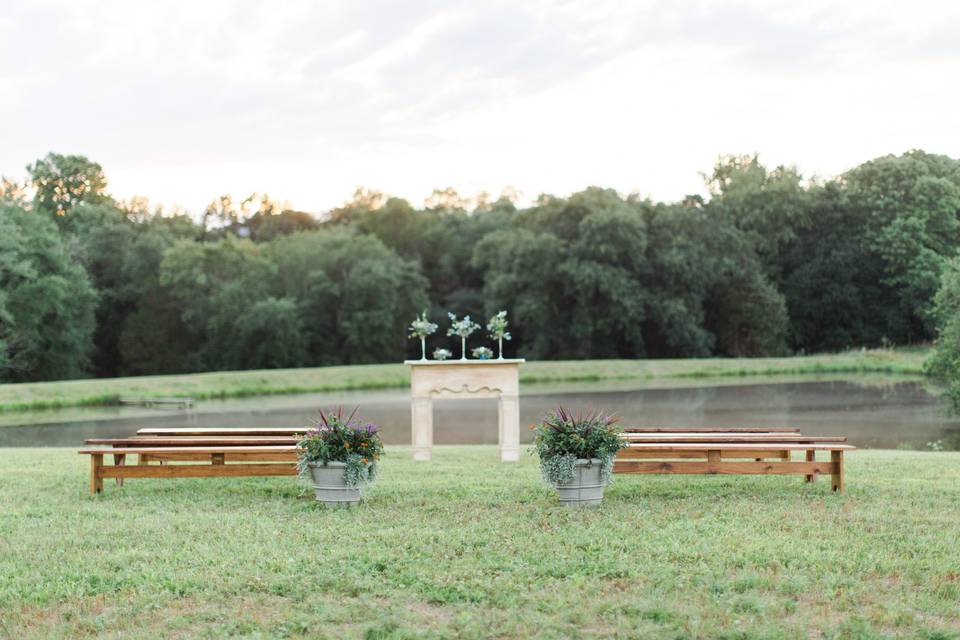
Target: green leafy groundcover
{"x":465,"y":546}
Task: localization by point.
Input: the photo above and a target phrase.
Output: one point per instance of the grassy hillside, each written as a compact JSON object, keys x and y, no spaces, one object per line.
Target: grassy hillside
{"x":467,"y":547}
{"x":18,"y":397}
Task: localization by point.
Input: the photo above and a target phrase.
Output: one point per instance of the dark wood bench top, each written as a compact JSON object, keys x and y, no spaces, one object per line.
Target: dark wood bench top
{"x":190,"y":441}
{"x":711,"y":429}
{"x":727,"y":446}
{"x":210,"y":450}
{"x":224,"y":431}
{"x":704,"y":437}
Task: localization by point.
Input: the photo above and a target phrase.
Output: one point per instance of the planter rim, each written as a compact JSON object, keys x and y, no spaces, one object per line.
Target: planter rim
{"x":582,"y":462}
{"x":332,"y":463}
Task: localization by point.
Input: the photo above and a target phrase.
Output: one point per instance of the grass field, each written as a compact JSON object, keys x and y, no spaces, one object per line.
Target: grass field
{"x":467,"y":547}
{"x":50,"y":395}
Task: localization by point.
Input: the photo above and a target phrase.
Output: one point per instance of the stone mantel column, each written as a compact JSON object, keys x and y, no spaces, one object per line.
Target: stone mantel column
{"x":498,"y":379}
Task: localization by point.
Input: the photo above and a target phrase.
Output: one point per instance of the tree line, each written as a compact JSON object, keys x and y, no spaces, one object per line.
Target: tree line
{"x":768,"y":263}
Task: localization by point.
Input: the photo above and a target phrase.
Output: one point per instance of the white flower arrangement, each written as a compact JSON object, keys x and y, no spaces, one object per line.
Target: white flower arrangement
{"x":442,"y":354}
{"x":482,"y":353}
{"x":497,"y":326}
{"x":421,"y":327}
{"x":462,"y":328}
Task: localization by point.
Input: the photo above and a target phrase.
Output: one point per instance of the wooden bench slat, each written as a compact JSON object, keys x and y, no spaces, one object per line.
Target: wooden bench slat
{"x":731,"y":439}
{"x":223,"y":431}
{"x":711,"y":429}
{"x":160,"y":441}
{"x":198,"y":450}
{"x":786,"y":446}
{"x":197,"y":470}
{"x":706,"y":467}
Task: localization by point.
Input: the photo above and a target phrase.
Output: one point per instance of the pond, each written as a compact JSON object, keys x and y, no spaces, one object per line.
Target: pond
{"x":876,"y":412}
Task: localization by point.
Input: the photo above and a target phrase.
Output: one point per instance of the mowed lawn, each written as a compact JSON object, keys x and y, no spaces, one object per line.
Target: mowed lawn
{"x":468,"y":547}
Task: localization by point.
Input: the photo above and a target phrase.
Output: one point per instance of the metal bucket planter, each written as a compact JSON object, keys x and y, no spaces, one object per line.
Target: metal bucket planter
{"x":586,"y":488}
{"x":330,"y":484}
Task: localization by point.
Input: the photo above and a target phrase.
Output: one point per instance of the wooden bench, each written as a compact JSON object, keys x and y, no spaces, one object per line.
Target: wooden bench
{"x":731,"y":451}
{"x":214,"y":461}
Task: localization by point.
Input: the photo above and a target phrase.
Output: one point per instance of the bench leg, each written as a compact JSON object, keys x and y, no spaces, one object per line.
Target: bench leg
{"x":836,"y":457}
{"x":811,"y":457}
{"x":96,"y":481}
{"x":119,"y":459}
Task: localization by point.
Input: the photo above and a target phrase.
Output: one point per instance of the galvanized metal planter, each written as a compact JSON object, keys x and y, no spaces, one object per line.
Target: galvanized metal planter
{"x":586,"y":488}
{"x":330,"y":484}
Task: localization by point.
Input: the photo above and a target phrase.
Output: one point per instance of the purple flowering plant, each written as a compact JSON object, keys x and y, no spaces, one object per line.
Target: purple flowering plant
{"x":351,"y":440}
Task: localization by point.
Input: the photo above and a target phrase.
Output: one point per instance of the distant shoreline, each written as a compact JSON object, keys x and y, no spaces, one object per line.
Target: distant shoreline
{"x":238,"y":384}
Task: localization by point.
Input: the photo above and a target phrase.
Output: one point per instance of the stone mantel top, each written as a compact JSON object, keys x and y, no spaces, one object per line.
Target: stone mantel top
{"x":472,"y":361}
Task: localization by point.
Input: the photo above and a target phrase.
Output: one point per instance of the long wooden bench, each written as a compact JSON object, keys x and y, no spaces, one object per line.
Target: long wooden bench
{"x":215,"y":461}
{"x":732,"y":452}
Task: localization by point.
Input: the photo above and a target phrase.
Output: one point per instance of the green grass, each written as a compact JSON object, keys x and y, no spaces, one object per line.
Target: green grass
{"x":233,"y":384}
{"x":467,"y":547}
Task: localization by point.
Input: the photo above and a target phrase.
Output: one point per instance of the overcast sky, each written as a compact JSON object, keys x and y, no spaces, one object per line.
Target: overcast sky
{"x":182,"y":101}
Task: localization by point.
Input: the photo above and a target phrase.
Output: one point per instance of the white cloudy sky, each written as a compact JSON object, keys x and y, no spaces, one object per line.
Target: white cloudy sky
{"x":181,"y":101}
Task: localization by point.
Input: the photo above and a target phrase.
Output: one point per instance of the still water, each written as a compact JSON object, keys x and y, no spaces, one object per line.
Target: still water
{"x":871,"y":412}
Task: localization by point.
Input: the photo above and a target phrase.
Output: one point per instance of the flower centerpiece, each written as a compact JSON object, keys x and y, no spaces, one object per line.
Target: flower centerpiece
{"x":482,"y":353}
{"x":442,"y":354}
{"x":497,"y":326}
{"x":421,"y":327}
{"x":462,"y":328}
{"x":340,"y":455}
{"x":576,"y":454}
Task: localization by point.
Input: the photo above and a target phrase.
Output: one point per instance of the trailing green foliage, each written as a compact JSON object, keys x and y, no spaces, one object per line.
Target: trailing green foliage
{"x":562,"y":438}
{"x":349,"y":440}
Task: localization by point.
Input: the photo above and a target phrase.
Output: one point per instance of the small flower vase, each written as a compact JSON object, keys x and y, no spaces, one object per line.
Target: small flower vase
{"x":423,"y":347}
{"x":463,"y":348}
{"x":500,"y":348}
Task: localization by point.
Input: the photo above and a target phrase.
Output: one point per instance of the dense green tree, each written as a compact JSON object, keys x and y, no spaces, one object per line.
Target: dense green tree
{"x":46,"y":301}
{"x":355,"y":295}
{"x":214,"y":284}
{"x":769,"y":206}
{"x":911,"y":205}
{"x":122,"y":257}
{"x":945,"y":362}
{"x":61,"y":182}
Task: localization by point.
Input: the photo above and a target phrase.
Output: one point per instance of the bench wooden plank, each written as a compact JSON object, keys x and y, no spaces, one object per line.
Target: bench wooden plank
{"x":715,"y":467}
{"x":223,"y":431}
{"x":666,"y":454}
{"x":711,"y":429}
{"x":206,"y":450}
{"x":228,"y":456}
{"x":784,"y":446}
{"x":731,"y":439}
{"x":191,"y":441}
{"x":197,"y":470}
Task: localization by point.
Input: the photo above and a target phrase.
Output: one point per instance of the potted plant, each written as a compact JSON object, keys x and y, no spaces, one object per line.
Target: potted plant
{"x":497,"y":326}
{"x":462,"y":328}
{"x":421,"y":327}
{"x":576,"y":454}
{"x":340,"y":456}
